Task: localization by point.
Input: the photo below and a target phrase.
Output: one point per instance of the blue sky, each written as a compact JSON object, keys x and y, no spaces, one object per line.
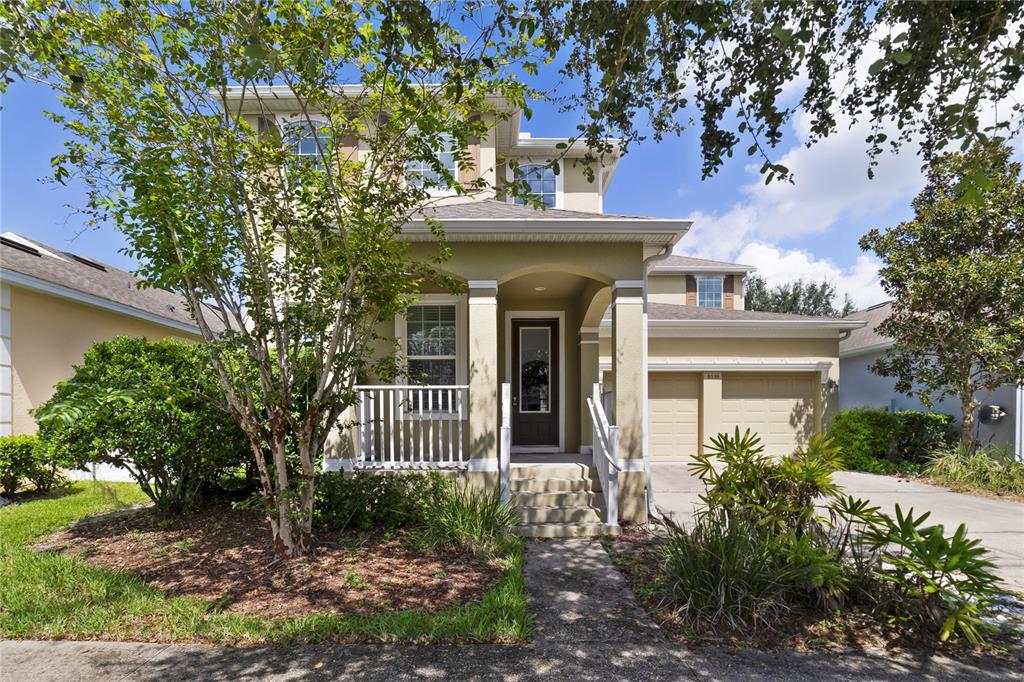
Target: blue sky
{"x":808,"y":230}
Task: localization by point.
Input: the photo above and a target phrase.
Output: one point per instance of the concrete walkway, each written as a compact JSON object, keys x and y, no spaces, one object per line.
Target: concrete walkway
{"x":998,"y":523}
{"x":588,"y":627}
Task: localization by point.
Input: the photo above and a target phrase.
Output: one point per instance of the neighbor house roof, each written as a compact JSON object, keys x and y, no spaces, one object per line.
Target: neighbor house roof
{"x":49,"y":269}
{"x":675,"y":315}
{"x":682,"y":264}
{"x":866,"y":339}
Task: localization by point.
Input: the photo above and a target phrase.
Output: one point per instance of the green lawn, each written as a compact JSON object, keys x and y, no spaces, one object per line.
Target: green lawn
{"x":51,"y":596}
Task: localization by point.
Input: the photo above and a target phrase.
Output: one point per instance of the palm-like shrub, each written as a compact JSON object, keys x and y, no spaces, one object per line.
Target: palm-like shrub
{"x":775,"y":535}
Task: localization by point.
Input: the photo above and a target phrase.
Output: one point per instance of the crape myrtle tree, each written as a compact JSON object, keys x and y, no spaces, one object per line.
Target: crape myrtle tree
{"x":956,"y":276}
{"x":923,"y":73}
{"x":797,"y":297}
{"x":287,"y":261}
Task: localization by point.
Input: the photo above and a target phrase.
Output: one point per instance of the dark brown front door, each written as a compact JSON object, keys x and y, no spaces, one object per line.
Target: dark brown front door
{"x":535,"y":382}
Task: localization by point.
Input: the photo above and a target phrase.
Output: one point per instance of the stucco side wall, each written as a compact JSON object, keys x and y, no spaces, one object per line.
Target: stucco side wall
{"x":861,"y":387}
{"x":49,"y":335}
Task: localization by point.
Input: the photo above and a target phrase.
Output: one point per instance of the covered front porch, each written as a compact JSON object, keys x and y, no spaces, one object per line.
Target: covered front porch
{"x":525,"y":364}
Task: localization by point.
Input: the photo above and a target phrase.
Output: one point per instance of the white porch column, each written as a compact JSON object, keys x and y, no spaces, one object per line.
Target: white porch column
{"x":483,"y":375}
{"x":628,"y":365}
{"x":589,"y":375}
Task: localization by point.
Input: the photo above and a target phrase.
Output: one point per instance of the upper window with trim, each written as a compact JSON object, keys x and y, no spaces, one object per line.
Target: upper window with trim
{"x":542,"y":182}
{"x":709,"y":292}
{"x":307,"y":141}
{"x":421,"y":172}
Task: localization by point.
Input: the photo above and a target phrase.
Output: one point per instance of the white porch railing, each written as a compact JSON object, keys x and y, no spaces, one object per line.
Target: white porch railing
{"x":505,"y":444}
{"x":408,"y":427}
{"x":606,"y":455}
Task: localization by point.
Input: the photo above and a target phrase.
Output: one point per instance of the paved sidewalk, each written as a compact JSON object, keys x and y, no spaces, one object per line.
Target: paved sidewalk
{"x":998,"y":523}
{"x":588,"y":627}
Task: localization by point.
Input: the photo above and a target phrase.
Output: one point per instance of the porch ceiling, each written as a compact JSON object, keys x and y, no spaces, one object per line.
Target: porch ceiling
{"x":555,"y":285}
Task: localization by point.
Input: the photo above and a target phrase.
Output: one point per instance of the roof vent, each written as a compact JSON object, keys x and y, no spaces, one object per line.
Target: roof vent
{"x":877,"y":305}
{"x":19,"y":246}
{"x":90,"y":263}
{"x":170,"y":308}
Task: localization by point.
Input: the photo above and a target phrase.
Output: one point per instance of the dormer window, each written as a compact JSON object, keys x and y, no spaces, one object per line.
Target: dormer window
{"x":709,"y":292}
{"x":307,"y":141}
{"x":542,"y":181}
{"x":420,"y":173}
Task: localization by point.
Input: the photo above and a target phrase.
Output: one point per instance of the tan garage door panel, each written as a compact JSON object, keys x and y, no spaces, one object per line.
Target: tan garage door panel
{"x":778,"y":407}
{"x":673,"y":404}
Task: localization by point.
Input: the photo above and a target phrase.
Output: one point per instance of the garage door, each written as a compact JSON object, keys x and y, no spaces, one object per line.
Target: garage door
{"x":673,"y":405}
{"x":778,"y":407}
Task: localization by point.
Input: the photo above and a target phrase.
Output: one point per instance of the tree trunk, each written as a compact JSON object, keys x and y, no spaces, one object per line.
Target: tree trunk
{"x":968,"y":404}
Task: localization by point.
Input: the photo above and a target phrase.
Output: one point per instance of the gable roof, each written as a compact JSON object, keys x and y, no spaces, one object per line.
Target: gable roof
{"x":866,"y":339}
{"x":683,"y":264}
{"x":34,"y":265}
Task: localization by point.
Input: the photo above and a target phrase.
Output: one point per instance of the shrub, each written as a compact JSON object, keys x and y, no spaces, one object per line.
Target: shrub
{"x":760,"y":548}
{"x":919,"y":433}
{"x":469,"y":518}
{"x":23,"y":458}
{"x":992,"y":469}
{"x":149,"y":407}
{"x":867,"y":438}
{"x":366,"y":500}
{"x":725,"y":571}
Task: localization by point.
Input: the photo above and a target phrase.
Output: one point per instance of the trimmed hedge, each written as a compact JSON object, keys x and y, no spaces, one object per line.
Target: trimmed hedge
{"x":879,"y":441}
{"x":366,"y":500}
{"x":24,"y":458}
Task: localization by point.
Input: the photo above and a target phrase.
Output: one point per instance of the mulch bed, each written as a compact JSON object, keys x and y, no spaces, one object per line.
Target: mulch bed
{"x":223,"y":555}
{"x":636,"y":554}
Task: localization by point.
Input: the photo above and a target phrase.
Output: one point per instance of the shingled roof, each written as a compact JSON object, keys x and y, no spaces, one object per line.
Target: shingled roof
{"x":673,"y":312}
{"x":678,"y":261}
{"x":492,"y":209}
{"x":866,"y":337}
{"x":51,"y":265}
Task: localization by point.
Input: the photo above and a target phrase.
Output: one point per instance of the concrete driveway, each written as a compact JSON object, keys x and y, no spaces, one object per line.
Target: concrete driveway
{"x":998,"y":523}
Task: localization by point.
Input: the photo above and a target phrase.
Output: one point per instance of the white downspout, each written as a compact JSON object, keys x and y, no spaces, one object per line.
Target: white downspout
{"x":645,"y":407}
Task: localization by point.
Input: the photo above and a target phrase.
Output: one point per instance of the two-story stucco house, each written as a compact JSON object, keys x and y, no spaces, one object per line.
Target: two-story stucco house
{"x":581,"y":349}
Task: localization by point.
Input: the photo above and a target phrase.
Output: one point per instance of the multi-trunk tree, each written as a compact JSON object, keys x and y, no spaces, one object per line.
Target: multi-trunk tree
{"x":956,"y":276}
{"x":282,"y":231}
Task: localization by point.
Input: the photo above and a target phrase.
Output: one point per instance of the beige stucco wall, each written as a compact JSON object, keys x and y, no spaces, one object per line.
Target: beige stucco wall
{"x":49,"y":335}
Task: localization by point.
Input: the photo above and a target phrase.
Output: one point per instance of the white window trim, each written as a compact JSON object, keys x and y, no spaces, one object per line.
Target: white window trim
{"x":540,"y":315}
{"x":461,"y":326}
{"x":559,"y":179}
{"x":721,"y":280}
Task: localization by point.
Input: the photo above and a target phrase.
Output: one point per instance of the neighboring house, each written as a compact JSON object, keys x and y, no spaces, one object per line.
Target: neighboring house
{"x":54,"y":305}
{"x":558,"y":301}
{"x":861,"y":387}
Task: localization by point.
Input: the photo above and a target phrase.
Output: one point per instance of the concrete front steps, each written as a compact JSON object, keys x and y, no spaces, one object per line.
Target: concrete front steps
{"x":558,"y":500}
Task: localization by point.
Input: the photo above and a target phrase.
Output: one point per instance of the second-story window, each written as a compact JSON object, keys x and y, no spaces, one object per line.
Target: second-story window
{"x":709,"y":292}
{"x":542,"y":183}
{"x":421,"y":171}
{"x":307,"y":141}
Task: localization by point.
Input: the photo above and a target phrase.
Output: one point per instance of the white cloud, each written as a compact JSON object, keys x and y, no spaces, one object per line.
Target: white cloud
{"x":859,"y":281}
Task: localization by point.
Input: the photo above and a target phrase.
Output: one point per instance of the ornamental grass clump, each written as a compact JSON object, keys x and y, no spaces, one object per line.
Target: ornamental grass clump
{"x":991,"y":469}
{"x":776,"y":535}
{"x":469,"y":518}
